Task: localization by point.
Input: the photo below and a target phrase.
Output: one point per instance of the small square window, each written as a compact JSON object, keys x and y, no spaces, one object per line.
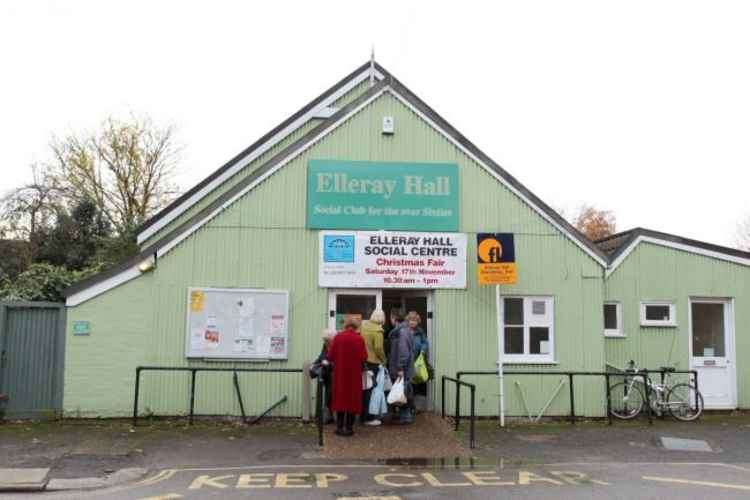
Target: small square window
{"x":538,"y":307}
{"x":612,"y":319}
{"x":658,"y":314}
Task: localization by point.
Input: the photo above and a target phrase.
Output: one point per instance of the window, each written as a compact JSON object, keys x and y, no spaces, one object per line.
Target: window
{"x":613,"y":320}
{"x":528,"y":329}
{"x":658,"y":313}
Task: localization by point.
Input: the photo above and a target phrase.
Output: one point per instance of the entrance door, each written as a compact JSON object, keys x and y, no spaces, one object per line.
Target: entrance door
{"x":421,"y":302}
{"x":712,"y":351}
{"x":359,"y":303}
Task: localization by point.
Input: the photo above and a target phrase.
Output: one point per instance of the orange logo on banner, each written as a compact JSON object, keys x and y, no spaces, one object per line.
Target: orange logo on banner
{"x":492,"y":269}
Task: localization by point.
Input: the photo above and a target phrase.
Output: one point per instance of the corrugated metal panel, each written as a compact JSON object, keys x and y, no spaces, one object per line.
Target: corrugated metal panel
{"x":654,"y":272}
{"x":31,"y":341}
{"x":261,"y":241}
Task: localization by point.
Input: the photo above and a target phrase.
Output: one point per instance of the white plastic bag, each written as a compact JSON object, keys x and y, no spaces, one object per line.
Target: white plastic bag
{"x":397,"y":395}
{"x":367,"y":381}
{"x":387,"y":385}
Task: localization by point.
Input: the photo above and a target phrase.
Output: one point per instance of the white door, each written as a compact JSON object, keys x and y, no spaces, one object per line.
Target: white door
{"x":421,"y":301}
{"x":360,"y":303}
{"x":712,"y":351}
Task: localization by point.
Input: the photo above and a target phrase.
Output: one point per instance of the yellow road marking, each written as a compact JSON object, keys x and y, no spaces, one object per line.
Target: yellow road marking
{"x":168,"y":496}
{"x":697,"y":483}
{"x":161,"y":476}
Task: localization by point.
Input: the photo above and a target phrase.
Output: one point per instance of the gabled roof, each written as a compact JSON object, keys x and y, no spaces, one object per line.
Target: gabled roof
{"x":128,"y":269}
{"x":318,"y":108}
{"x":618,"y":246}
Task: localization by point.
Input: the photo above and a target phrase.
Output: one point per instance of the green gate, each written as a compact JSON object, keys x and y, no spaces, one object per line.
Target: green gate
{"x":32,"y":344}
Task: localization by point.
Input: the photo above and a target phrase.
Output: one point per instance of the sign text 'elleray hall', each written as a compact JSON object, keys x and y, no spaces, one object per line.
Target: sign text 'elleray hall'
{"x":378,"y":195}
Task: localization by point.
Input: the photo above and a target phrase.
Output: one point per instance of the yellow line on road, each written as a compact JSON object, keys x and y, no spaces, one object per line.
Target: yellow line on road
{"x":168,"y":496}
{"x":697,"y":483}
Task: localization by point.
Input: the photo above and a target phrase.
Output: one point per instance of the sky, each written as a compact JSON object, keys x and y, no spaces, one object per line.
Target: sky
{"x":639,"y":107}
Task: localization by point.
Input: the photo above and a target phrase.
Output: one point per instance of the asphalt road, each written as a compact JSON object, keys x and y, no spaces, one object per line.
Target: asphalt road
{"x":554,"y":481}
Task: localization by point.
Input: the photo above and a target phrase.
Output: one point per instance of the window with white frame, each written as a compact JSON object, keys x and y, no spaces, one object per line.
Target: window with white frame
{"x":528,"y":329}
{"x":658,"y":313}
{"x":613,"y":319}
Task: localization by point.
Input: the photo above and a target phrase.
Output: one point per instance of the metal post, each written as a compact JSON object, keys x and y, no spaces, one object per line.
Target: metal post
{"x":473,"y":416}
{"x":239,"y":397}
{"x":442,"y":396}
{"x":137,"y":389}
{"x":192,"y":394}
{"x":609,"y":400}
{"x":572,"y":400}
{"x":306,"y":399}
{"x":458,"y":404}
{"x":648,"y":397}
{"x":319,"y":405}
{"x":695,"y":378}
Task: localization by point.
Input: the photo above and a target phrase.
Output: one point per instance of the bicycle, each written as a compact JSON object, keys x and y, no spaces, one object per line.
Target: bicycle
{"x":683,"y":401}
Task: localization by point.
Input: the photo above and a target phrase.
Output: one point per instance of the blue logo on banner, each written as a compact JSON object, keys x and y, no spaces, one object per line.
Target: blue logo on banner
{"x":338,"y":248}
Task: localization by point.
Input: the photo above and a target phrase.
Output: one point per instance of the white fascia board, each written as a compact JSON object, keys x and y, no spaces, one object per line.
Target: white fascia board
{"x":492,"y":172}
{"x":677,"y":246}
{"x":101,"y":287}
{"x":318,"y":111}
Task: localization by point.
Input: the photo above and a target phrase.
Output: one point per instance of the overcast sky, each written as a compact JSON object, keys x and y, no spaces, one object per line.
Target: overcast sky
{"x":639,"y":107}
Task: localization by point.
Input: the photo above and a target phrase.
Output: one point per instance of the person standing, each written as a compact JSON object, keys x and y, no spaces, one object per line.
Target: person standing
{"x":347,"y":353}
{"x":372,"y":334}
{"x":321,"y":367}
{"x":401,"y":363}
{"x":396,"y":317}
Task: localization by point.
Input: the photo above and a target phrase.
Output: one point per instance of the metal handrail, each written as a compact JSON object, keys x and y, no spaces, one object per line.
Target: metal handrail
{"x":193,"y":371}
{"x":457,"y":418}
{"x":642,"y":373}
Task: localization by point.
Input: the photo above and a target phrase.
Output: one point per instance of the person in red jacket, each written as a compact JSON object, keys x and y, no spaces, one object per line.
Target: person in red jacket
{"x":347,"y":353}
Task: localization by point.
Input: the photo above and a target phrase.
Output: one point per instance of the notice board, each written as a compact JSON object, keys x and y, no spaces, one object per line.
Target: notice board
{"x":236,"y":323}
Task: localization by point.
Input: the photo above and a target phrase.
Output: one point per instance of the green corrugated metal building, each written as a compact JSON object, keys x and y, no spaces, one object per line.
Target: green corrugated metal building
{"x":257,"y":224}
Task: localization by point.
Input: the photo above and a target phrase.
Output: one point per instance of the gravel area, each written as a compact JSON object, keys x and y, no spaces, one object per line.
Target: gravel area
{"x":429,"y":437}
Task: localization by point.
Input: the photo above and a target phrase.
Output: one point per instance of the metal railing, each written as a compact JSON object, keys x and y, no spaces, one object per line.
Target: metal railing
{"x":457,"y":418}
{"x":643,"y":374}
{"x":193,"y":372}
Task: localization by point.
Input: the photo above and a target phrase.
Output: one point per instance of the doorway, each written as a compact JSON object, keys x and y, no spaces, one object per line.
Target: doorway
{"x":712,"y":351}
{"x":362,"y":302}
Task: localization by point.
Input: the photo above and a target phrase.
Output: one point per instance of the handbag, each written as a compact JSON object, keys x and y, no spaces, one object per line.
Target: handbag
{"x":397,"y":396}
{"x":421,"y":374}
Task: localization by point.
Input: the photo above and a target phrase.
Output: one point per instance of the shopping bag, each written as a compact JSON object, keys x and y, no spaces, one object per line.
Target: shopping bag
{"x":397,"y":396}
{"x":387,"y":384}
{"x":366,"y":380}
{"x":421,"y":374}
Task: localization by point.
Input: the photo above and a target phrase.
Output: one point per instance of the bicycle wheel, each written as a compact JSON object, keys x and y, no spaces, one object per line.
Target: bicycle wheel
{"x":626,"y":402}
{"x":685,"y":402}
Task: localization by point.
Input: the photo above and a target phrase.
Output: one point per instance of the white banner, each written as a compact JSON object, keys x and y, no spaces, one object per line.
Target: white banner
{"x":380,"y":259}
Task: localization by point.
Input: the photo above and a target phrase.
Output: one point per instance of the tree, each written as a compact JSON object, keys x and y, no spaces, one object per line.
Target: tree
{"x":76,"y":239}
{"x":27,"y":213}
{"x":42,"y":282}
{"x":593,"y":223}
{"x":743,"y":234}
{"x":126,"y":169}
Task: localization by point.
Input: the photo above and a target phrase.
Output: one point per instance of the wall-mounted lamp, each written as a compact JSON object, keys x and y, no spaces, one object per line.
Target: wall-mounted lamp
{"x":148,"y":264}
